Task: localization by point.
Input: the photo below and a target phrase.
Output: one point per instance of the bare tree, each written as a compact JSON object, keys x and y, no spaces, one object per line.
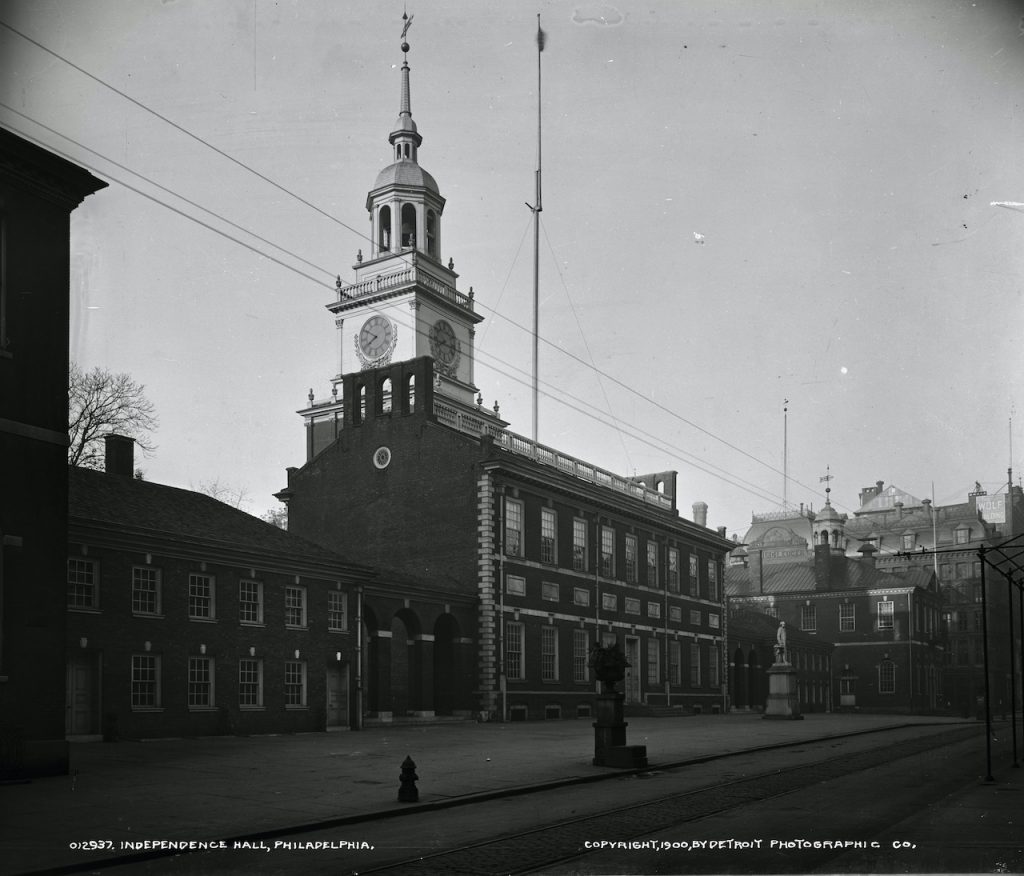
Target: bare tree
{"x":101,"y":403}
{"x":278,"y":516}
{"x":224,"y":492}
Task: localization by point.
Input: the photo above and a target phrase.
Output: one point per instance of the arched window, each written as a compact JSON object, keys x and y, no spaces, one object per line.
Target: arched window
{"x":408,"y":225}
{"x":384,"y":229}
{"x":359,"y":414}
{"x":432,"y":233}
{"x":410,"y":392}
{"x":384,"y":395}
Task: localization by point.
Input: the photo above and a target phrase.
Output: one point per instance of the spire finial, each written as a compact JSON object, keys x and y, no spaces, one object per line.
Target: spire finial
{"x":827,"y":477}
{"x":405,"y":29}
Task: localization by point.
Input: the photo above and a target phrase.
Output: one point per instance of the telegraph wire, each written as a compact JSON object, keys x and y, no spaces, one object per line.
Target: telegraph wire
{"x":162,"y":188}
{"x":559,"y":396}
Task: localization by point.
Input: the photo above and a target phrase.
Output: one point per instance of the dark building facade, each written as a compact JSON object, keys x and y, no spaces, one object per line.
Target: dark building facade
{"x":885,"y":627}
{"x":910,"y":533}
{"x":187,"y":617}
{"x":38,"y":192}
{"x":508,"y":559}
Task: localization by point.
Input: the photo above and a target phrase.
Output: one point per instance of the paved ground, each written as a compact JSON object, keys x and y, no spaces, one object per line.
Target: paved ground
{"x":227,"y":787}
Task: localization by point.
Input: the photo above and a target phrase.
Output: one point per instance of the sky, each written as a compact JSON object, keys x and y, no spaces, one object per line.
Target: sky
{"x":768,"y":244}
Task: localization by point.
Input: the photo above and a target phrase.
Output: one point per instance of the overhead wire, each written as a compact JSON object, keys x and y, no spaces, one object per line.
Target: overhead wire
{"x":305,"y":202}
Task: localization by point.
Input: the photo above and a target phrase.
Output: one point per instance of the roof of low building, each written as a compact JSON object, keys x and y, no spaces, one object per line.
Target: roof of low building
{"x":133,"y":505}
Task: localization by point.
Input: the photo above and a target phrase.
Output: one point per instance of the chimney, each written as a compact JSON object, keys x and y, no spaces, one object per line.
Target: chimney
{"x":867,"y":552}
{"x":722,"y":531}
{"x":120,"y":455}
{"x":700,"y":513}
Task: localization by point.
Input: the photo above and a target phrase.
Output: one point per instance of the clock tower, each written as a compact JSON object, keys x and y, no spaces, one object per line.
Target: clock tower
{"x":405,"y":302}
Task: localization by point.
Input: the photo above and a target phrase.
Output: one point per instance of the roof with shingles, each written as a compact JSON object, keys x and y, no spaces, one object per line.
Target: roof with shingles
{"x":140,"y":507}
{"x":800,"y":578}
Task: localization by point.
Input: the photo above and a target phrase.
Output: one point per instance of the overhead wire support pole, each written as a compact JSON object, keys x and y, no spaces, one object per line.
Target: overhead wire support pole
{"x":984,"y":649}
{"x":536,"y":208}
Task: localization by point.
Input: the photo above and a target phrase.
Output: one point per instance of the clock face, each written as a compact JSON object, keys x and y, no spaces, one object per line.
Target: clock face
{"x":376,"y":337}
{"x":443,"y":345}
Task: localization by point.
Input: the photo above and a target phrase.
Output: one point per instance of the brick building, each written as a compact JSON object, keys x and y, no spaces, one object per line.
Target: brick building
{"x":909,"y":533}
{"x":188,"y":617}
{"x":38,"y":192}
{"x":508,"y":559}
{"x":889,"y":646}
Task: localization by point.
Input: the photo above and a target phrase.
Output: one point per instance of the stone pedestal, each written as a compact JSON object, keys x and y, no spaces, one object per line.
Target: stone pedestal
{"x":610,"y":747}
{"x":783,"y":699}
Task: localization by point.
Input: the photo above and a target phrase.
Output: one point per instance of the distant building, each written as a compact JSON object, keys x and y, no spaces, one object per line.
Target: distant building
{"x":187,"y":617}
{"x":909,"y":533}
{"x":510,"y":559}
{"x":38,"y":192}
{"x":885,"y":627}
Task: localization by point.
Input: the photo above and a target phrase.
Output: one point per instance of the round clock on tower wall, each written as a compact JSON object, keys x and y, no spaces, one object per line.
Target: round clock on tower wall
{"x":445,"y":347}
{"x":376,"y":341}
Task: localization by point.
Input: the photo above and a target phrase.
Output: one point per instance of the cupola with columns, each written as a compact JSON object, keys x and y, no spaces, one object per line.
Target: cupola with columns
{"x":405,"y":302}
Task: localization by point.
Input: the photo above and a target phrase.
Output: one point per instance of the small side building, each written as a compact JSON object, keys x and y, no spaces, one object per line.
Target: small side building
{"x":187,"y":617}
{"x":38,"y":193}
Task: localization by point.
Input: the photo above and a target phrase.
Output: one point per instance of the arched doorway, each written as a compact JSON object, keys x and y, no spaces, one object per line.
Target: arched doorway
{"x":755,"y":686}
{"x":739,"y":680}
{"x":406,"y":692}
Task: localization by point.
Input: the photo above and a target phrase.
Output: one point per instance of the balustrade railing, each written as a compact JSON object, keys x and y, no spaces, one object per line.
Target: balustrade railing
{"x":405,"y":277}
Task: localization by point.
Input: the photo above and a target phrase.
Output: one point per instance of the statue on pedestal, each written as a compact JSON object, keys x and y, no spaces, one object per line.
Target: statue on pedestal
{"x":780,"y":644}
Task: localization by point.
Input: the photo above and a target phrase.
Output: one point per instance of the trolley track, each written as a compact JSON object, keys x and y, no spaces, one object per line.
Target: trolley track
{"x":532,"y":850}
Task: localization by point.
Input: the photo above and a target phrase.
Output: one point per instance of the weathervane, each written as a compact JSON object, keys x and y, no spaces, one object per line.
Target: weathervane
{"x":826,"y":478}
{"x":405,"y":29}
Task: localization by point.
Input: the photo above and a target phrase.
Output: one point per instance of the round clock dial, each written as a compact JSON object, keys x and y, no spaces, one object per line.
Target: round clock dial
{"x":443,"y":345}
{"x":376,"y":337}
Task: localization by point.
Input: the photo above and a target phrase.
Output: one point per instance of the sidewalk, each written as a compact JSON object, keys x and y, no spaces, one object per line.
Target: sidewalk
{"x":219,"y":787}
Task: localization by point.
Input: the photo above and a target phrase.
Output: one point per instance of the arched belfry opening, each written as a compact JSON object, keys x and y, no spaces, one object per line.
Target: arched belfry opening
{"x":384,"y":229}
{"x":432,"y":233}
{"x":409,"y":226}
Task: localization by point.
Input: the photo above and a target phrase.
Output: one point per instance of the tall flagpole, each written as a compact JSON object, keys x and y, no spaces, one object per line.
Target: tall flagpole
{"x":536,"y":242}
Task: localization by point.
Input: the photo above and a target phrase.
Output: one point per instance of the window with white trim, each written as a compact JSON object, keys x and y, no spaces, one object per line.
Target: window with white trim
{"x":654,"y":609}
{"x":145,"y":681}
{"x":514,"y":648}
{"x":83,"y":581}
{"x":631,"y":605}
{"x":653,"y":662}
{"x":250,"y":682}
{"x":714,"y":620}
{"x":694,"y":576}
{"x":580,"y":656}
{"x":609,"y":602}
{"x":295,"y":683}
{"x":145,"y":590}
{"x":695,"y":617}
{"x":607,"y":551}
{"x":673,"y":570}
{"x":200,"y":682}
{"x":695,"y":673}
{"x":652,"y":564}
{"x":675,"y":662}
{"x":549,"y":653}
{"x":580,"y":596}
{"x":337,"y":609}
{"x":295,"y":606}
{"x":675,"y":613}
{"x":579,"y":544}
{"x":885,"y":615}
{"x":250,"y":602}
{"x":549,"y":591}
{"x":631,"y":552}
{"x":713,"y":580}
{"x":847,"y":618}
{"x":548,"y":530}
{"x":714,"y":660}
{"x":201,"y":604}
{"x":887,"y":677}
{"x":808,"y":617}
{"x":513,"y":528}
{"x":515,"y":585}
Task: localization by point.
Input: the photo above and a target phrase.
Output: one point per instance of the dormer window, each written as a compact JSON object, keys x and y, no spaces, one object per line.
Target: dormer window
{"x":907,"y":541}
{"x":962,"y":534}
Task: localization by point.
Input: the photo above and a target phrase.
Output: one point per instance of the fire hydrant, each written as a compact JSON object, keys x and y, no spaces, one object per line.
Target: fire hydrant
{"x":408,"y":792}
